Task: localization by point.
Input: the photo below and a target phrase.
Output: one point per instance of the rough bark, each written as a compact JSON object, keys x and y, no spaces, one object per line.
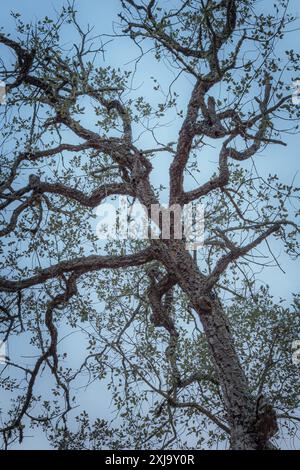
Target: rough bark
{"x":250,"y":426}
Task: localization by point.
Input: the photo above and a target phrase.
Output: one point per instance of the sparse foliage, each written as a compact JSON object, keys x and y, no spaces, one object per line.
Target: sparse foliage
{"x":194,"y":352}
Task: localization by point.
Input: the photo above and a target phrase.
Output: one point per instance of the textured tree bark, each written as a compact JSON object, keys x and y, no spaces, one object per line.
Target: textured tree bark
{"x":250,"y":428}
{"x":240,"y":406}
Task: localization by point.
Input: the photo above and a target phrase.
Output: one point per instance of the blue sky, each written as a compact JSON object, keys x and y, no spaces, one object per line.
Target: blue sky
{"x":120,"y":52}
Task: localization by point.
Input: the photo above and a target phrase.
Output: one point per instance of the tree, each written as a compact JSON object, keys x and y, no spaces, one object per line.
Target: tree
{"x":193,"y":350}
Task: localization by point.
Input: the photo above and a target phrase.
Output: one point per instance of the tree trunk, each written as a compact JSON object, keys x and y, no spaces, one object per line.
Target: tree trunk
{"x":240,"y":406}
{"x":251,"y":427}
